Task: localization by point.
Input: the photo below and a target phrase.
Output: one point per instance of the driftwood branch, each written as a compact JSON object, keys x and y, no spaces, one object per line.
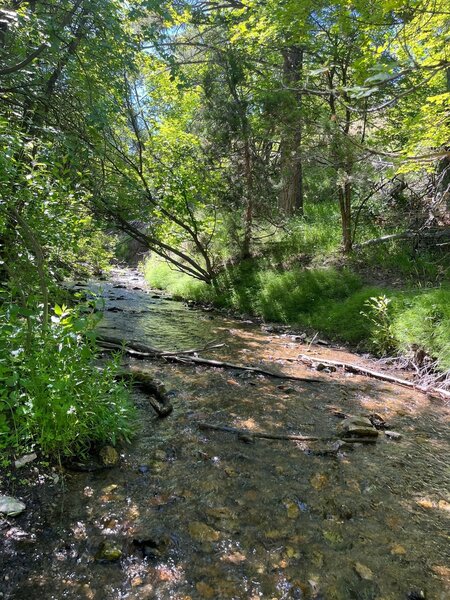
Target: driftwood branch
{"x":358,"y":370}
{"x":245,"y":433}
{"x":256,"y":434}
{"x":226,"y":365}
{"x":437,"y":235}
{"x":138,"y":350}
{"x":153,"y":388}
{"x":144,"y":351}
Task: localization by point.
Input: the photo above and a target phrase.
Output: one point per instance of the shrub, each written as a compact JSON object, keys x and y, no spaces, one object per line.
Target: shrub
{"x":52,"y":395}
{"x":423,"y":319}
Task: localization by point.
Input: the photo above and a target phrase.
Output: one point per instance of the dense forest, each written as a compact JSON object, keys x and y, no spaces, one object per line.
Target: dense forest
{"x":281,"y":159}
{"x":226,"y":195}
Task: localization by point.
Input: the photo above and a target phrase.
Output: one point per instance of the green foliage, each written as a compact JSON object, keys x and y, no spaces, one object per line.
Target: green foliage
{"x":422,"y":320}
{"x":332,"y":302}
{"x":377,"y":310}
{"x":293,"y":296}
{"x":52,"y":396}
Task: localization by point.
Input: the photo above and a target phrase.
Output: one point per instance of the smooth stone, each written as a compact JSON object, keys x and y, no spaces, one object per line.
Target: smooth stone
{"x":363,"y":571}
{"x":393,"y":435}
{"x":358,"y":426}
{"x":24,"y":460}
{"x":11,"y":507}
{"x":202,"y":532}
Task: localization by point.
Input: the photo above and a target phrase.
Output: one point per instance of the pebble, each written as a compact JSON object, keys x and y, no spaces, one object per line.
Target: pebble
{"x":24,"y":460}
{"x":11,"y":507}
{"x":393,"y":435}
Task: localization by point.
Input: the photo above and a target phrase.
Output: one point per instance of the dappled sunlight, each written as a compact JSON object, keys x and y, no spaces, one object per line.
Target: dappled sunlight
{"x":199,"y":514}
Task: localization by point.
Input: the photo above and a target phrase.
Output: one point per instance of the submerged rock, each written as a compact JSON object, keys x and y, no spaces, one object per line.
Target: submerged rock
{"x":357,"y":427}
{"x":247,"y":438}
{"x":393,"y":435}
{"x":153,"y":546}
{"x":109,"y":551}
{"x":109,"y":456}
{"x":11,"y":507}
{"x":363,"y":571}
{"x":416,"y":595}
{"x":201,"y":532}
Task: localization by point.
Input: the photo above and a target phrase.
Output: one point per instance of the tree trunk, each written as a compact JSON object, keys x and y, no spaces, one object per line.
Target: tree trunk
{"x":248,"y":218}
{"x":345,"y":206}
{"x":291,"y":195}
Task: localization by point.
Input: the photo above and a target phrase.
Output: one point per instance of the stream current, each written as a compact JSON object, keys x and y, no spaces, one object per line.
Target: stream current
{"x":202,"y":514}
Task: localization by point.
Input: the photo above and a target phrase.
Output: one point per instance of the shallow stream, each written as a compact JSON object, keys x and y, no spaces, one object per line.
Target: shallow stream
{"x":199,"y":514}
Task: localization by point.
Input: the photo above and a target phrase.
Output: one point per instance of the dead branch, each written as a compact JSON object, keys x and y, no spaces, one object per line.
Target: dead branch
{"x":141,"y":351}
{"x":226,"y":365}
{"x":144,"y":351}
{"x":358,"y":370}
{"x":255,"y":434}
{"x":153,"y":388}
{"x":437,"y":235}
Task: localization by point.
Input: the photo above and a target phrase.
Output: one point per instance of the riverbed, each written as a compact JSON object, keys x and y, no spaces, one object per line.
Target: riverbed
{"x":199,"y":514}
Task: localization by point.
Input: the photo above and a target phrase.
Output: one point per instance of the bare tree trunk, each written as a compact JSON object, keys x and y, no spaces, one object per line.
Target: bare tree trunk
{"x":345,"y":206}
{"x":443,"y":172}
{"x":291,"y":195}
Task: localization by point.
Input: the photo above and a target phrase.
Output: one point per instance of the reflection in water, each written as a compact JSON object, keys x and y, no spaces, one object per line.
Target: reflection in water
{"x":204,"y":515}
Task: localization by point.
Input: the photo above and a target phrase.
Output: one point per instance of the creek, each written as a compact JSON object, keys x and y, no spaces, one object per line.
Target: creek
{"x":202,"y":514}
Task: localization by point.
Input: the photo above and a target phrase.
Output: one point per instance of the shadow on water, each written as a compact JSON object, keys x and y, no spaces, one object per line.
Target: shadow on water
{"x":204,"y":515}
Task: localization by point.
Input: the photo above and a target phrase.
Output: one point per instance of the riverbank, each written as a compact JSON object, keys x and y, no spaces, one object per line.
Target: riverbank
{"x":189,"y":513}
{"x":338,"y":303}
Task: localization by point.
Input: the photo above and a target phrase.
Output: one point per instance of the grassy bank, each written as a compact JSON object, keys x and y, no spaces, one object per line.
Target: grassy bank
{"x":336,"y":302}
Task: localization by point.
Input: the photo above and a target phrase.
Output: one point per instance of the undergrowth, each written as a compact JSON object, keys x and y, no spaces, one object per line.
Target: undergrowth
{"x":53,"y":397}
{"x":335,"y":302}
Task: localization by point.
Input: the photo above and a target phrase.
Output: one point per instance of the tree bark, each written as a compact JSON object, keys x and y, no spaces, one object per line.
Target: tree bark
{"x":248,"y":218}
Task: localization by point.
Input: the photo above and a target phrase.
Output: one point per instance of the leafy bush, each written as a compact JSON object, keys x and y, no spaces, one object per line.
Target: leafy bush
{"x":52,"y":396}
{"x":377,"y":310}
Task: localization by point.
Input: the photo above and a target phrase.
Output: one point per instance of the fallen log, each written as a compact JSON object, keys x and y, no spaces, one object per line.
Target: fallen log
{"x":358,"y":370}
{"x":141,"y":351}
{"x":144,"y":351}
{"x":153,"y":388}
{"x":435,"y":235}
{"x":245,"y":433}
{"x":257,"y":434}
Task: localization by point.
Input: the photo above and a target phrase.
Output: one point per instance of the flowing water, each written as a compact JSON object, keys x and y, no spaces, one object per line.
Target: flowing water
{"x":202,"y":514}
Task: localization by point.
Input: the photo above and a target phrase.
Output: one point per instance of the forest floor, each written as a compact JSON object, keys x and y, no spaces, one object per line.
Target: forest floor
{"x":190,"y":513}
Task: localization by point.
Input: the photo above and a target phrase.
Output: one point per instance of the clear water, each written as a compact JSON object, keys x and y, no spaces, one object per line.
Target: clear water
{"x":272,"y":519}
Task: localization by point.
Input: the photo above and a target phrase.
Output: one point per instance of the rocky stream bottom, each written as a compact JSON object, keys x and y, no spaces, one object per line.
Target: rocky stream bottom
{"x":191,"y":513}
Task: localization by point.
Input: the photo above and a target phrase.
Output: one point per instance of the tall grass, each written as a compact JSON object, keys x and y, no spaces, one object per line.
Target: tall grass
{"x":329,"y":300}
